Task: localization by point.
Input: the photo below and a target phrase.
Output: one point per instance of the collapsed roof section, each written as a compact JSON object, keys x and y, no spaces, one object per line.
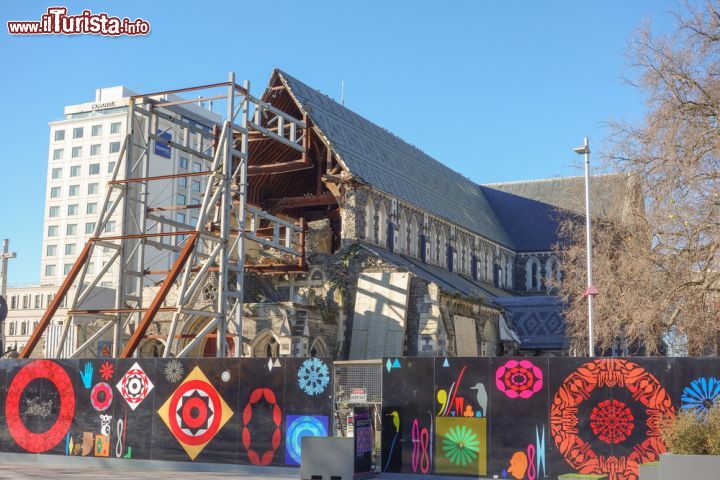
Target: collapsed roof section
{"x":375,"y":156}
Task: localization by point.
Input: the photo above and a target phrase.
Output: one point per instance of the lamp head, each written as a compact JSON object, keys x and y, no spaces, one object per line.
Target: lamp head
{"x":581,"y":150}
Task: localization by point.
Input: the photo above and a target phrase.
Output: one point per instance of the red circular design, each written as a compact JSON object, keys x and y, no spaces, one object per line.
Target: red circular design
{"x":214,"y":426}
{"x":40,"y":442}
{"x":269,"y":397}
{"x":612,"y":421}
{"x":578,"y":386}
{"x":519,"y":379}
{"x":194,"y":412}
{"x":101,"y":396}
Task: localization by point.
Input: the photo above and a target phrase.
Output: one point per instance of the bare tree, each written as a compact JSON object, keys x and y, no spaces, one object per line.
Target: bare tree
{"x":657,"y":268}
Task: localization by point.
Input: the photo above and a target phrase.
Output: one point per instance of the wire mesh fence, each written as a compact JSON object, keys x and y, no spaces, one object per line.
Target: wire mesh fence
{"x":358,"y":383}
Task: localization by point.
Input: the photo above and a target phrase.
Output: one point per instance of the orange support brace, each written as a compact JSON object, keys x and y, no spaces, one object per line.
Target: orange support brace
{"x":154,"y":307}
{"x":55,"y":304}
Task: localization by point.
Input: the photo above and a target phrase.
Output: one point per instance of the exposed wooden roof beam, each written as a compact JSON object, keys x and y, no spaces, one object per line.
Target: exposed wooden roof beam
{"x":276,"y":168}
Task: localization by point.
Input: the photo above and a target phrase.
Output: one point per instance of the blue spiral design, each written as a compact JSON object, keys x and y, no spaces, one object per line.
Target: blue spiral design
{"x":299,"y":426}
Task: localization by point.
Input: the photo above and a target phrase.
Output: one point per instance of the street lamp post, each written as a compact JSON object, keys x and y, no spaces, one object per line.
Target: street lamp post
{"x":591,"y":289}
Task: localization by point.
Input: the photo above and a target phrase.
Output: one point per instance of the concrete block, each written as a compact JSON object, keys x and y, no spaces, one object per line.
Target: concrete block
{"x":685,"y":467}
{"x":650,"y":471}
{"x":327,"y":458}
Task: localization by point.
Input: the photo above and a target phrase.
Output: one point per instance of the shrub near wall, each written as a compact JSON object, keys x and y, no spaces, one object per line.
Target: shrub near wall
{"x":251,"y":411}
{"x":694,"y":433}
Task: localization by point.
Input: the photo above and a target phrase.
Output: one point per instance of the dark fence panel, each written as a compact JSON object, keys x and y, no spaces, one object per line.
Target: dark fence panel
{"x":532,"y":418}
{"x":208,"y":410}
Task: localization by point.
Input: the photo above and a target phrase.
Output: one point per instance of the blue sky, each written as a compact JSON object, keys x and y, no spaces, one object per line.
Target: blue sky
{"x":499,"y":91}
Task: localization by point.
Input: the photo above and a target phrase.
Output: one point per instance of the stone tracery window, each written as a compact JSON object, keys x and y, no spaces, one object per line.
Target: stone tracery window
{"x":508,"y":274}
{"x":370,"y":222}
{"x":532,"y":274}
{"x":553,"y":275}
{"x":381,"y":229}
{"x":441,"y":249}
{"x":403,"y":229}
{"x":413,"y":237}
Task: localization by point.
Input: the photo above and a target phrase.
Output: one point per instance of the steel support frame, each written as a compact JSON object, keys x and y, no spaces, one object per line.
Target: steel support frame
{"x":211,"y":245}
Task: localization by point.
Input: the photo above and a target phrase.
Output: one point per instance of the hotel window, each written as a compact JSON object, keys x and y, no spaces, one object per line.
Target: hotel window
{"x":96,"y":130}
{"x":94,"y":169}
{"x":52,"y":231}
{"x":78,"y":132}
{"x":110,"y":226}
{"x":182,"y":182}
{"x":74,"y":190}
{"x":38,"y":301}
{"x":111,"y":167}
{"x":49,"y":298}
{"x":91,"y":268}
{"x":69,"y":249}
{"x":183,"y":162}
{"x":75,"y":171}
{"x":23,"y":328}
{"x":91,"y":208}
{"x":54,"y":212}
{"x":51,"y":250}
{"x":181,"y":199}
{"x":56,"y":173}
{"x":13,"y":302}
{"x":90,"y":228}
{"x":114,"y":128}
{"x":66,"y":268}
{"x":26,"y":301}
{"x":12,"y":327}
{"x":73,"y":209}
{"x":94,"y":150}
{"x":196,"y":167}
{"x":195,"y":186}
{"x":114,"y":147}
{"x":92,"y":188}
{"x":71,"y":229}
{"x":180,"y":217}
{"x":76,"y":152}
{"x":59,"y":135}
{"x":55,"y":192}
{"x":49,"y":270}
{"x":58,"y":154}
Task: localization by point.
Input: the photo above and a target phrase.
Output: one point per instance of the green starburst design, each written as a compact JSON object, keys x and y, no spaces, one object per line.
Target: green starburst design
{"x":461,"y":445}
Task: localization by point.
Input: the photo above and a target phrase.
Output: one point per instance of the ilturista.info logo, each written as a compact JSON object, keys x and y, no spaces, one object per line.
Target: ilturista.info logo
{"x":56,"y":21}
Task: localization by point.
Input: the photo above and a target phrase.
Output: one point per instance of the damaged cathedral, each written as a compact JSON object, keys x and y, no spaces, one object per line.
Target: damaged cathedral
{"x":404,"y":256}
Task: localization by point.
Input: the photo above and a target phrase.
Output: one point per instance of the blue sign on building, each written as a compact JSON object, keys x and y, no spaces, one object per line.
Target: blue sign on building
{"x":162,"y":149}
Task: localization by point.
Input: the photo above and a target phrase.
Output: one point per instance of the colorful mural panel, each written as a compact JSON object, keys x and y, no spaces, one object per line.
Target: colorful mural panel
{"x":171,"y":409}
{"x":514,"y":418}
{"x":461,"y":445}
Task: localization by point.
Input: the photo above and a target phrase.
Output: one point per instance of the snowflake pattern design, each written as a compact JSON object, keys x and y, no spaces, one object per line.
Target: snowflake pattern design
{"x":701,"y":395}
{"x":612,"y":421}
{"x":107,"y":370}
{"x":174,"y":371}
{"x":313,"y":376}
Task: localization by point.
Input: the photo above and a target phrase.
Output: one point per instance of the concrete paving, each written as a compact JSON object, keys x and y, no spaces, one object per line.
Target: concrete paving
{"x":25,"y":467}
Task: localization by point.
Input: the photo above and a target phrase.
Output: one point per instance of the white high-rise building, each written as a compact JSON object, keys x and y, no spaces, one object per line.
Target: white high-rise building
{"x":84,"y":149}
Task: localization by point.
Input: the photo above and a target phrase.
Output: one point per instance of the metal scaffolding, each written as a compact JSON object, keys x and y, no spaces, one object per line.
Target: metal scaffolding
{"x":212,"y":249}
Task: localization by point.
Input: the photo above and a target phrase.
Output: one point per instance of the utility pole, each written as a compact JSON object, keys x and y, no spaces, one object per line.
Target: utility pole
{"x":591,"y":289}
{"x":4,"y":257}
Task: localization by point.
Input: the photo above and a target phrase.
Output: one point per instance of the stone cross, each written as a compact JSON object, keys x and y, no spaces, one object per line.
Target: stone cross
{"x":5,"y":255}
